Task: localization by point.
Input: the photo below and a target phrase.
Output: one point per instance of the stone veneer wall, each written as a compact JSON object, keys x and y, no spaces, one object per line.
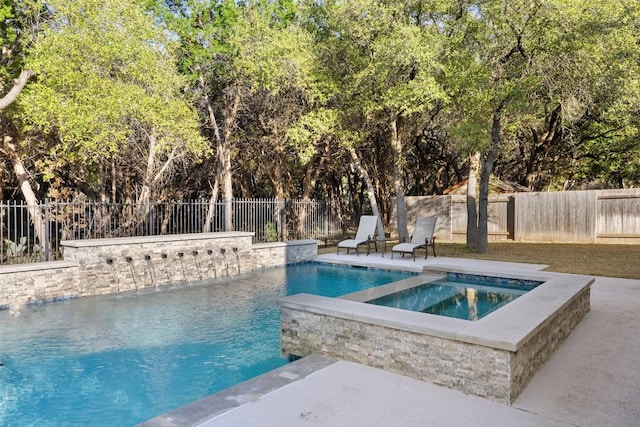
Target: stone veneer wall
{"x":540,"y":347}
{"x":274,"y":254}
{"x":104,"y":266}
{"x":493,"y":373}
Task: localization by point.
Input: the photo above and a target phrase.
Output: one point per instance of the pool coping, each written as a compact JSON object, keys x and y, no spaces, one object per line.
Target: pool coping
{"x":210,"y":407}
{"x":507,"y":328}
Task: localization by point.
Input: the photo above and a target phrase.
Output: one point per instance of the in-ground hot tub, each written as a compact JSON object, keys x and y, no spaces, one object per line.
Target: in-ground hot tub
{"x":469,"y":297}
{"x":494,"y":356}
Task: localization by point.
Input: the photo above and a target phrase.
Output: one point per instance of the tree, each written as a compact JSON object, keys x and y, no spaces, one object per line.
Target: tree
{"x":276,"y":60}
{"x":529,"y":73}
{"x":203,"y":28}
{"x":106,"y":94}
{"x":384,"y":62}
{"x":14,"y":19}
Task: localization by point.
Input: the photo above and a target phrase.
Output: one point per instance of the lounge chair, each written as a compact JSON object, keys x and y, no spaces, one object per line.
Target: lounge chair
{"x":364,"y":235}
{"x":422,"y":238}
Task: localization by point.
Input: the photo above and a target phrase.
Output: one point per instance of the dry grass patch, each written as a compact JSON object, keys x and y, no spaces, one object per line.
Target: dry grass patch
{"x":597,"y":260}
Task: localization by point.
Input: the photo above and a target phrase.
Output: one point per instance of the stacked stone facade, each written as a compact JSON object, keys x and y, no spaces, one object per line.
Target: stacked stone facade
{"x":482,"y":370}
{"x":111,"y":266}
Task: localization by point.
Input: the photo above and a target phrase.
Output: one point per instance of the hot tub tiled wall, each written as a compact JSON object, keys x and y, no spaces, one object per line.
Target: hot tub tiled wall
{"x":103,"y":266}
{"x":474,"y":357}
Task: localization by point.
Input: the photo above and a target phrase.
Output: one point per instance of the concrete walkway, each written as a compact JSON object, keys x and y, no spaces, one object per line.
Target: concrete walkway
{"x":592,"y":380}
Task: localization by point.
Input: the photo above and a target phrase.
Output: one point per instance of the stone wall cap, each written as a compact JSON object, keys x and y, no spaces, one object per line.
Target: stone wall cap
{"x":284,"y":244}
{"x":36,"y":266}
{"x":115,"y":241}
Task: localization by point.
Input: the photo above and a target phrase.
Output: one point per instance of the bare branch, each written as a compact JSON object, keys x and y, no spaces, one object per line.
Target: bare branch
{"x":19,"y":84}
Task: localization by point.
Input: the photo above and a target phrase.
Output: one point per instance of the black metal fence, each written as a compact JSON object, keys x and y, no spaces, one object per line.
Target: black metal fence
{"x":270,"y":220}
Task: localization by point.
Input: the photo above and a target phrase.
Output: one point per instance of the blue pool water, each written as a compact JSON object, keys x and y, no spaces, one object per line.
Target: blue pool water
{"x":120,"y":360}
{"x":469,"y":301}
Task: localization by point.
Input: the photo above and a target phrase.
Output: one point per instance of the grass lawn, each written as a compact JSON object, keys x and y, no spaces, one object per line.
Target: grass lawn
{"x":597,"y":260}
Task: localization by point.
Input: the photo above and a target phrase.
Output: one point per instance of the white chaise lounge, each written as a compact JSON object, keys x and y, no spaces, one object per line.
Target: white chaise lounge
{"x":422,"y":238}
{"x":364,"y":235}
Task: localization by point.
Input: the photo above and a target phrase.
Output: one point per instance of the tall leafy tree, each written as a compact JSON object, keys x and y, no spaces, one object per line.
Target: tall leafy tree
{"x":206,"y":57}
{"x":105,"y":102}
{"x":385,"y":61}
{"x":535,"y":68}
{"x":15,"y":20}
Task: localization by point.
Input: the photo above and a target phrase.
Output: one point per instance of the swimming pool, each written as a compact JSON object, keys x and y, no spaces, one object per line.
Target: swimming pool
{"x":120,"y":360}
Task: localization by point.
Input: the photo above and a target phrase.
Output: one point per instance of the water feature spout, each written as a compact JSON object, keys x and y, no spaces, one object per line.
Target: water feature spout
{"x":235,"y":251}
{"x":164,"y":264}
{"x":151,"y":271}
{"x":133,"y":271}
{"x":184,"y":271}
{"x":195,"y":260}
{"x":226,"y":261}
{"x":114,"y":274}
{"x":212,"y":263}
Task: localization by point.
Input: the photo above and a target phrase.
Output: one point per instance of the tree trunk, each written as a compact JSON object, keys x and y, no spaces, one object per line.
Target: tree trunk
{"x":13,"y":94}
{"x":207,"y":226}
{"x":398,"y":184}
{"x":310,"y":178}
{"x":19,"y":169}
{"x":151,"y":177}
{"x":472,"y":208}
{"x":232,"y":104}
{"x":364,"y":175}
{"x":487,"y":167}
{"x":33,"y":206}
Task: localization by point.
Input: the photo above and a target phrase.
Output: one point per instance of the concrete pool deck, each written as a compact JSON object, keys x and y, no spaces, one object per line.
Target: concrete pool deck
{"x":593,"y":379}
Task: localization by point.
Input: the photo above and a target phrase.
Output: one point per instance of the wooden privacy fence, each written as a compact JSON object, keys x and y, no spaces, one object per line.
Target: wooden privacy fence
{"x":593,"y":216}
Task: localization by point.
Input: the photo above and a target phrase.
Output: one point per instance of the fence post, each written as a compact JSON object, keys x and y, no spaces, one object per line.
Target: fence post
{"x":46,"y":245}
{"x":282,"y":206}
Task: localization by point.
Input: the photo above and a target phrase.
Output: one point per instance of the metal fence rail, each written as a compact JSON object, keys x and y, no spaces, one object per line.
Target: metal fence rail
{"x":269,"y":219}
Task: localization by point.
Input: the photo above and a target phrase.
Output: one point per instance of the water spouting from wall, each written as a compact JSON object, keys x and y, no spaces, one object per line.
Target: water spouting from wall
{"x":195,"y":260}
{"x":164,"y":264}
{"x":184,"y":270}
{"x":223,"y":251}
{"x":133,"y":271}
{"x":212,"y":263}
{"x":114,"y":274}
{"x":235,"y":251}
{"x":152,"y":273}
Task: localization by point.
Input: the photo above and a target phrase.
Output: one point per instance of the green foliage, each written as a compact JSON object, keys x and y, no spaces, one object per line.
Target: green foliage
{"x":105,"y":78}
{"x":271,"y":232}
{"x":18,"y":252}
{"x":15,"y":17}
{"x":335,"y":74}
{"x":202,"y":28}
{"x":311,"y":128}
{"x":275,"y":57}
{"x":385,"y":63}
